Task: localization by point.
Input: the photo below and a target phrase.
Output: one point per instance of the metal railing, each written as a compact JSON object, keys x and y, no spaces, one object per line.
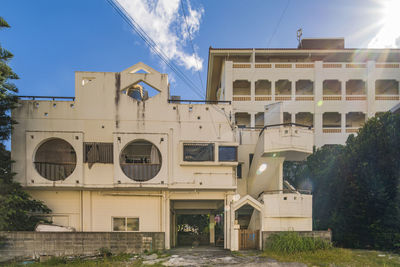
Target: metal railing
{"x":309,"y":127}
{"x":285,"y":191}
{"x":29,"y":97}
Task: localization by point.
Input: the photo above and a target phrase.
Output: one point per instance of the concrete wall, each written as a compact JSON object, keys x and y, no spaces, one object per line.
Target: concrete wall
{"x":325,"y":235}
{"x":25,"y":245}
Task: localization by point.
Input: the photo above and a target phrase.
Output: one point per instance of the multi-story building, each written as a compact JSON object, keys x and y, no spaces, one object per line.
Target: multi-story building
{"x":117,"y":157}
{"x":321,"y":83}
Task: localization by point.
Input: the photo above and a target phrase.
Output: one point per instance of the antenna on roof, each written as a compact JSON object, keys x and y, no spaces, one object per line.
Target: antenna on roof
{"x":299,"y":34}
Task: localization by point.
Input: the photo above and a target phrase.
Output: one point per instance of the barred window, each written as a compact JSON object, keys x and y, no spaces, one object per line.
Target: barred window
{"x":227,"y":153}
{"x":98,"y":153}
{"x":198,"y":152}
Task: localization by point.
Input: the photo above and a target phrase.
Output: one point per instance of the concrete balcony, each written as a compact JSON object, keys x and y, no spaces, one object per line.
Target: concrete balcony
{"x":291,"y":141}
{"x":287,"y":205}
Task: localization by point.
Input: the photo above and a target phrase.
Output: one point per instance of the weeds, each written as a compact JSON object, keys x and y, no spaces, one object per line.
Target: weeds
{"x":292,"y":242}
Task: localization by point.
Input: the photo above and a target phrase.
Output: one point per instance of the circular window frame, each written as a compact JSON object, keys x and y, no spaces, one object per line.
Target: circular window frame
{"x":159,"y":154}
{"x":38,"y":147}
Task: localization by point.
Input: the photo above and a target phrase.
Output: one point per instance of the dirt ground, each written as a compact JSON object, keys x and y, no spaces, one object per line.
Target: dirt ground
{"x":214,"y":256}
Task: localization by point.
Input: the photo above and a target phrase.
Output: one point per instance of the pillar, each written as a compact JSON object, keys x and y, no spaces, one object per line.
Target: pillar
{"x":272,"y":90}
{"x":212,"y":229}
{"x":343,"y":122}
{"x":371,"y":89}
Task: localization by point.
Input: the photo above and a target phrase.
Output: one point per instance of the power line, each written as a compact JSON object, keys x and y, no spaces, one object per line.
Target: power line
{"x":279,"y":22}
{"x":155,"y":48}
{"x":153,"y":45}
{"x":191,"y":43}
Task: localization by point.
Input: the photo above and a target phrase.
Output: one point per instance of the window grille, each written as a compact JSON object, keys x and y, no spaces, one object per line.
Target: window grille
{"x":98,"y":153}
{"x":198,"y":152}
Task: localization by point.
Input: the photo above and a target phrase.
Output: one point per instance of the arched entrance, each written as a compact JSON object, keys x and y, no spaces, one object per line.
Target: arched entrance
{"x":247,"y":224}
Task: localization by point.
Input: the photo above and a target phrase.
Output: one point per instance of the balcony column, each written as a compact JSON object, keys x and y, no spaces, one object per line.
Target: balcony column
{"x":343,"y":122}
{"x":252,"y":90}
{"x":228,"y":80}
{"x":371,"y":89}
{"x":293,"y":84}
{"x":252,"y":119}
{"x":343,"y":89}
{"x":273,"y":90}
{"x":293,"y":118}
{"x":318,"y":108}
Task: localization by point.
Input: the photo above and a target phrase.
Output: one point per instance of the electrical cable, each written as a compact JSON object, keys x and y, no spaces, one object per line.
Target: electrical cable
{"x":278,"y":24}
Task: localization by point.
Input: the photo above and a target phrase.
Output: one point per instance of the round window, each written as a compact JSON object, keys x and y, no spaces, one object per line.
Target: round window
{"x":140,"y":160}
{"x":55,"y":159}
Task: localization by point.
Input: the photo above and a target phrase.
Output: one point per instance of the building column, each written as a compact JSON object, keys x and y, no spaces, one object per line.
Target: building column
{"x":293,"y":117}
{"x":343,"y":90}
{"x":293,"y":84}
{"x":228,"y":80}
{"x":212,"y":229}
{"x":252,"y":90}
{"x":273,"y":90}
{"x":371,"y":89}
{"x":343,"y":122}
{"x":252,"y":119}
{"x":318,"y":108}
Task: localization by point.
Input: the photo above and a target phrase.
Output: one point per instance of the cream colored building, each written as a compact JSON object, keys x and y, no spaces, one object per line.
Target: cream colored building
{"x":321,"y":83}
{"x":116,"y":158}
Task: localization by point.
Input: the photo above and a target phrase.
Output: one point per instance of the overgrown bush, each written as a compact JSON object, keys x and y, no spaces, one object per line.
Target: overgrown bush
{"x":292,"y":242}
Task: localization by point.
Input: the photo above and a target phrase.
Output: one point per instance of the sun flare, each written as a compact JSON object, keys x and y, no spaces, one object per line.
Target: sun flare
{"x":389,"y":34}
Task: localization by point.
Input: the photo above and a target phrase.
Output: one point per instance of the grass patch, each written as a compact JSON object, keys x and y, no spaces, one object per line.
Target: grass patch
{"x":292,"y":242}
{"x":338,"y":257}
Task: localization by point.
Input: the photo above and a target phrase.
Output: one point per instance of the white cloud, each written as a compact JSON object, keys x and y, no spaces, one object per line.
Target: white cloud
{"x":164,"y":23}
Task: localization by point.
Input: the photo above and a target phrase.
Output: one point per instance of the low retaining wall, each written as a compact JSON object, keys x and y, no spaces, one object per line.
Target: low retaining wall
{"x":326,"y":235}
{"x":21,"y":245}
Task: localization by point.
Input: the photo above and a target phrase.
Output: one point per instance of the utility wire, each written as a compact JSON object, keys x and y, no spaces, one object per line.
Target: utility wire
{"x":279,"y":23}
{"x":191,"y":43}
{"x":153,"y":46}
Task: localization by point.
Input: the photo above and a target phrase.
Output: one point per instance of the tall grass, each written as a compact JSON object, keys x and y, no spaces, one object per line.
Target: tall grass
{"x":292,"y":242}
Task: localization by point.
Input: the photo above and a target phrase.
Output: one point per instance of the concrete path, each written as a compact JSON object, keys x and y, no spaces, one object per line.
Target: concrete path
{"x":214,"y":256}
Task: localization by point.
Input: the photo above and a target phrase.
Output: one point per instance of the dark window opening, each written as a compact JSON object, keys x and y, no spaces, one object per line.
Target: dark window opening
{"x":98,"y":153}
{"x":198,"y":152}
{"x":227,"y":153}
{"x":239,"y":171}
{"x":251,"y":155}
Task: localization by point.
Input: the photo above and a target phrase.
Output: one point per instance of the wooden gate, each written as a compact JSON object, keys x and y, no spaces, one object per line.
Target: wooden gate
{"x":248,"y":239}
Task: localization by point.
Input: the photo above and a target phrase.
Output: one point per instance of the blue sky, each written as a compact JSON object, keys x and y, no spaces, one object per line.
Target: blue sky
{"x":52,"y":39}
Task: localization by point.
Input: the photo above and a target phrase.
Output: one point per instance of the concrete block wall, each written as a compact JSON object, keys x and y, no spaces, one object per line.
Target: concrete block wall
{"x":28,"y":245}
{"x":325,"y":235}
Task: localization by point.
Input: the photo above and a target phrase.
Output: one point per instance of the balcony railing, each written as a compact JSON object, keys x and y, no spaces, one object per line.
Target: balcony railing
{"x":332,"y":97}
{"x":306,"y":65}
{"x":263,"y":97}
{"x":332,"y":130}
{"x":304,"y":97}
{"x":352,"y":129}
{"x":356,"y":97}
{"x":241,"y":98}
{"x":387,"y":97}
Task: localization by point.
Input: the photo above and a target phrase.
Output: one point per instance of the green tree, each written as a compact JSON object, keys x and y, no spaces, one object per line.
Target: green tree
{"x":356,"y":187}
{"x":18,"y":211}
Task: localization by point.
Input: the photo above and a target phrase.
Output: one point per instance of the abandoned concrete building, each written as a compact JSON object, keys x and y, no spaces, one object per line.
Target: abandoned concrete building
{"x":124,"y":155}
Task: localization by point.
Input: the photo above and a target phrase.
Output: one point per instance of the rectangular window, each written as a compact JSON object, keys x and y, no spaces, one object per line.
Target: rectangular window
{"x":239,"y":171}
{"x":198,"y":152}
{"x":98,"y":153}
{"x":124,"y":224}
{"x":227,"y":153}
